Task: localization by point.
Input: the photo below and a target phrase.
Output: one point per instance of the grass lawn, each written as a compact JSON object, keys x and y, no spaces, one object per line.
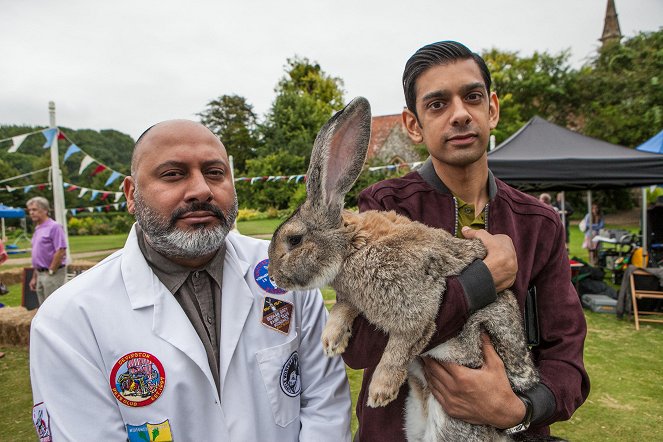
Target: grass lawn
{"x":624,"y":366}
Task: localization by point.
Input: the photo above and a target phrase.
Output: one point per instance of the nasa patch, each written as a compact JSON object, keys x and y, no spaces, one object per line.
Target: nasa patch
{"x":290,"y":379}
{"x":264,"y":281}
{"x":277,"y":314}
{"x":42,"y":422}
{"x":137,"y":379}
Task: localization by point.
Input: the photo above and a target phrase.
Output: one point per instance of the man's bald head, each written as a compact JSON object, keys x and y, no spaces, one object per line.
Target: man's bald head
{"x":168,"y":133}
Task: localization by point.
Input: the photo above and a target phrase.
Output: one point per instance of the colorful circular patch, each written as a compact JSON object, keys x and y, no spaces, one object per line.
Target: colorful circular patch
{"x":137,"y":379}
{"x":264,"y":281}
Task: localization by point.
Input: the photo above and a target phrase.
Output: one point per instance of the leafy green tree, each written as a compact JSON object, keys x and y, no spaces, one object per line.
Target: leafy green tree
{"x":262,"y":194}
{"x":541,"y":84}
{"x":306,"y":97}
{"x":622,"y":90}
{"x":232,"y":119}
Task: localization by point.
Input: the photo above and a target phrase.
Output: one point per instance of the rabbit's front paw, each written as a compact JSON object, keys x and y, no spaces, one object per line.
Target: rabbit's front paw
{"x":335,"y":338}
{"x":384,"y":387}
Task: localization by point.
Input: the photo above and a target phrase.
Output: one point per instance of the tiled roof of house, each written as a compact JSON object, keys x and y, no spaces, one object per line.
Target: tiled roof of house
{"x":381,"y":127}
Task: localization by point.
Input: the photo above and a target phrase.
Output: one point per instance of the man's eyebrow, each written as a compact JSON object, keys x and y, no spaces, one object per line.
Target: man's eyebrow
{"x":443,"y":94}
{"x":174,"y":163}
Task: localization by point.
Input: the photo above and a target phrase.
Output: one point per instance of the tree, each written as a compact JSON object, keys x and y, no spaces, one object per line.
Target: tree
{"x":541,"y":84}
{"x":622,"y":91}
{"x":306,"y":98}
{"x":232,"y":119}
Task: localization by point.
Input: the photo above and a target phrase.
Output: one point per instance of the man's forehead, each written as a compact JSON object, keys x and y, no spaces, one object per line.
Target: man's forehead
{"x":447,"y":73}
{"x":176,"y":137}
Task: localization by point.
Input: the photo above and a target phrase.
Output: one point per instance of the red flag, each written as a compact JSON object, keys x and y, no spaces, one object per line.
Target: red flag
{"x":100,"y":168}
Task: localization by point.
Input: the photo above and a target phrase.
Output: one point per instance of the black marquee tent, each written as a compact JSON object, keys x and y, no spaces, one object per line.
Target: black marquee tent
{"x":544,"y":156}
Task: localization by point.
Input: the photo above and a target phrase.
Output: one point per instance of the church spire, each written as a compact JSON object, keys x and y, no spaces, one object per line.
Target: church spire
{"x":611,"y":31}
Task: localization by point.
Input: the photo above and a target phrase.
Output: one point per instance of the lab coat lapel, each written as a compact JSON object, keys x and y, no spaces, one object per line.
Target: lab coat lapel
{"x":237,"y":300}
{"x":170,"y":322}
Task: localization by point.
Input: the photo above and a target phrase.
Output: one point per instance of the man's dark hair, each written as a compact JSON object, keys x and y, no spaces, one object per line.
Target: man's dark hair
{"x":442,"y":52}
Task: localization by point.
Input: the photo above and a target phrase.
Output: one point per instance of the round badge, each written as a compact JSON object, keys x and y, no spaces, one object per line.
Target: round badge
{"x":291,"y":382}
{"x":264,"y":281}
{"x":137,"y":379}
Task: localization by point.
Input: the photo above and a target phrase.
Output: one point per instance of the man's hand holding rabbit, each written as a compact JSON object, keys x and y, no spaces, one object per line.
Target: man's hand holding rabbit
{"x":480,"y":396}
{"x":501,"y":257}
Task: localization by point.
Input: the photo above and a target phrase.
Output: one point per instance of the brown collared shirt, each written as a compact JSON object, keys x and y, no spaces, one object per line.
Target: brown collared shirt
{"x":198,"y":291}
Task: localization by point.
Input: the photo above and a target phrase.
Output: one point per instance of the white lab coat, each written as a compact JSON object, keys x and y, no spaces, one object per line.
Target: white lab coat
{"x":120,"y":306}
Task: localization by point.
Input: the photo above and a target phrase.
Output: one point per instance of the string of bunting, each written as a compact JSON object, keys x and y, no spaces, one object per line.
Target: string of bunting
{"x":94,"y":193}
{"x":104,"y":208}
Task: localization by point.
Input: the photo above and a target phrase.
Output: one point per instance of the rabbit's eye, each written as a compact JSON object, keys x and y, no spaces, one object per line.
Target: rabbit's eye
{"x":294,"y":240}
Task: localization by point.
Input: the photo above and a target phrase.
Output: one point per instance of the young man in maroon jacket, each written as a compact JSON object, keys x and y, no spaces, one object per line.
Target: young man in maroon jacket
{"x":451,"y":109}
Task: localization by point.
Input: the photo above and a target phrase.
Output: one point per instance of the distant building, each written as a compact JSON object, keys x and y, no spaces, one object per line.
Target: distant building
{"x":389,"y":142}
{"x":611,"y":31}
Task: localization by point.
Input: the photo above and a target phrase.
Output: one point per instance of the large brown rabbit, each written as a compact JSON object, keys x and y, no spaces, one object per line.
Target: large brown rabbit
{"x":393,"y":271}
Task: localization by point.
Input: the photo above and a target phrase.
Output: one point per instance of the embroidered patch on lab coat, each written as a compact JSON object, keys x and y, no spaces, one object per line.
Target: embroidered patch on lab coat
{"x":264,"y":281}
{"x":291,"y":382}
{"x":277,"y":314}
{"x":137,"y":379}
{"x":42,"y":422}
{"x":148,"y":432}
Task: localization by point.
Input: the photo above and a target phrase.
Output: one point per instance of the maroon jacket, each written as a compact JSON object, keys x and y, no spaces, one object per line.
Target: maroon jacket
{"x":538,"y":237}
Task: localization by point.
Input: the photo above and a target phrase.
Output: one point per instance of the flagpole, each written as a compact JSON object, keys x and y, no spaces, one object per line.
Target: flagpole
{"x":59,"y":209}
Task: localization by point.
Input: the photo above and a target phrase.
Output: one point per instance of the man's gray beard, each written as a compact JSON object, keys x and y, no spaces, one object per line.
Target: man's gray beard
{"x":169,"y":240}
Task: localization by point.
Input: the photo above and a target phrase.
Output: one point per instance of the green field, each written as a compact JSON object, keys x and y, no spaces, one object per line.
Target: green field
{"x":625,"y":403}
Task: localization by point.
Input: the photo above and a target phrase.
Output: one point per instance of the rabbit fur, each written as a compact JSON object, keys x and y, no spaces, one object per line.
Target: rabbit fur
{"x":393,"y":271}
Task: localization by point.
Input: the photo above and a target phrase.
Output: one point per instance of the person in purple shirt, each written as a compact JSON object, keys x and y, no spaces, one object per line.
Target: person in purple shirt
{"x":49,"y":248}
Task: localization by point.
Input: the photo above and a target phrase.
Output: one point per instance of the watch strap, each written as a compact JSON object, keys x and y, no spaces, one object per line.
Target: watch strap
{"x":524,"y":424}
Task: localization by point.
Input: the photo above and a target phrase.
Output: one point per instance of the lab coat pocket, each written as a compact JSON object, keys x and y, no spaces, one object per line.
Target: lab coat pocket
{"x":279,"y":367}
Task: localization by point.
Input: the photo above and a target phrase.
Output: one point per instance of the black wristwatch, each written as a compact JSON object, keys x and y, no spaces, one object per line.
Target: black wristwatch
{"x":524,"y":425}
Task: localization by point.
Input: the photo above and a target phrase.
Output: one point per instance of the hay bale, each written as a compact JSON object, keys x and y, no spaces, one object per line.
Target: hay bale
{"x":15,"y":325}
{"x":11,"y":276}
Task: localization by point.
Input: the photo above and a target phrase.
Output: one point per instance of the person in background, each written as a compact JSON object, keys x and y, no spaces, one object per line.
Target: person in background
{"x":594,"y":222}
{"x":3,"y":288}
{"x":566,"y":210}
{"x":545,"y":199}
{"x":49,"y":250}
{"x":182,"y":331}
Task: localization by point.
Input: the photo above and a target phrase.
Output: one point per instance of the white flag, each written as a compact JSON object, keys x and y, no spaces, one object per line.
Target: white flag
{"x":18,"y":140}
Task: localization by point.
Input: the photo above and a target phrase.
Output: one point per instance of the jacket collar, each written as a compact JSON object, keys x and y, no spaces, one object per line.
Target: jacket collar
{"x":427,"y":172}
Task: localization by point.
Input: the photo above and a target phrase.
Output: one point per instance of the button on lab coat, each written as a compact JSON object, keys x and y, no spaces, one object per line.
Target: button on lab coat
{"x":120,"y":306}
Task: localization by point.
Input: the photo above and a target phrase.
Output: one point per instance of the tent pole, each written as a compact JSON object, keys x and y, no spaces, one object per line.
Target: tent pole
{"x":589,"y":205}
{"x":563,"y":208}
{"x":3,"y":231}
{"x":644,"y":225}
{"x":59,"y":210}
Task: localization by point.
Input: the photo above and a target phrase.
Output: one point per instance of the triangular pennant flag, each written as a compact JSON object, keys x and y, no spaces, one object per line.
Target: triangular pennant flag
{"x":100,"y":168}
{"x":94,"y":195}
{"x":90,"y":209}
{"x":72,"y":150}
{"x":26,"y":189}
{"x":17,"y":141}
{"x":115,"y":175}
{"x":10,"y":189}
{"x":41,"y":186}
{"x":116,"y":206}
{"x":104,"y":196}
{"x":299,"y":178}
{"x":73,"y":211}
{"x":254,"y":179}
{"x":86,"y":162}
{"x":118,"y":195}
{"x":83,"y":191}
{"x":61,"y":136}
{"x":49,"y":134}
{"x":99,"y":208}
{"x":123,"y":205}
{"x":72,"y":187}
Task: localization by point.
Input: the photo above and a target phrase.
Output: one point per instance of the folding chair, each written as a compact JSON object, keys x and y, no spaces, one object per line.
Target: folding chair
{"x":647,"y":292}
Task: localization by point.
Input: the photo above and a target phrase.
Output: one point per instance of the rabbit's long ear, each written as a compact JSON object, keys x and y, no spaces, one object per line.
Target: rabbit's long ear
{"x":339,"y":153}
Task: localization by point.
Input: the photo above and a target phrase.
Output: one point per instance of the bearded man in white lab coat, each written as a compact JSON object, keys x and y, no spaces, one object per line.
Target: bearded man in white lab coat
{"x":181,"y":335}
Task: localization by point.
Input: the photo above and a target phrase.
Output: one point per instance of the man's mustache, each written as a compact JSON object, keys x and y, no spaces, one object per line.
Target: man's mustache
{"x":197,"y":207}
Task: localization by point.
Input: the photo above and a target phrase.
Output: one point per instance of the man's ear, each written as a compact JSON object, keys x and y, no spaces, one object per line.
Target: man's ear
{"x":412,"y":126}
{"x":129,"y":187}
{"x":493,"y":110}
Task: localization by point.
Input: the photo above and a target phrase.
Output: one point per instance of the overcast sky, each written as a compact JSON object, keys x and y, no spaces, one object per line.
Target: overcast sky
{"x":126,"y":64}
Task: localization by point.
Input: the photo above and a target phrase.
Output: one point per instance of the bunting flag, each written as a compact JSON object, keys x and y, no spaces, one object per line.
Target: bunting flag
{"x":106,"y":208}
{"x":118,"y":195}
{"x":100,"y":168}
{"x":94,"y":195}
{"x":26,"y":189}
{"x":49,"y":134}
{"x":16,"y":142}
{"x":115,"y":175}
{"x":72,"y":150}
{"x":83,"y":191}
{"x":86,"y":162}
